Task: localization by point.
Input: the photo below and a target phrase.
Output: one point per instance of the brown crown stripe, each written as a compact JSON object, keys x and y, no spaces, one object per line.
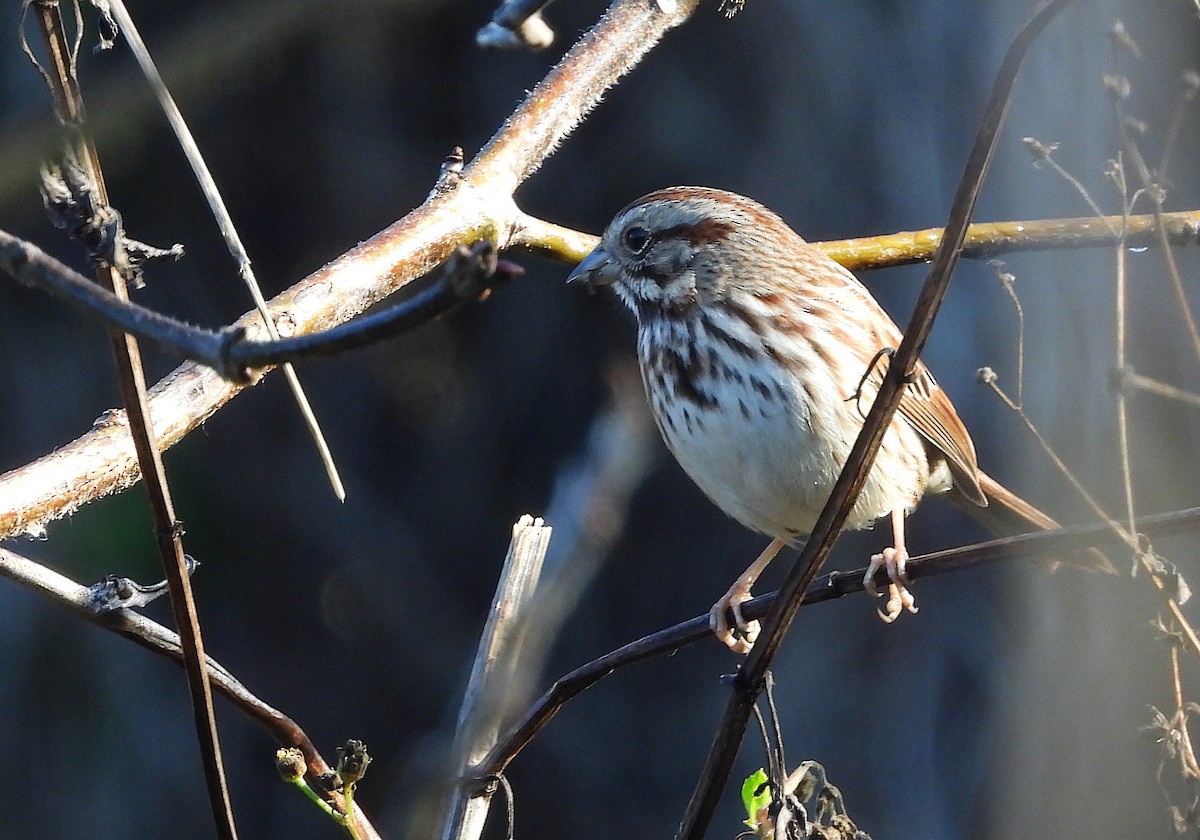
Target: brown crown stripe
{"x":680,"y":194}
{"x":703,"y":232}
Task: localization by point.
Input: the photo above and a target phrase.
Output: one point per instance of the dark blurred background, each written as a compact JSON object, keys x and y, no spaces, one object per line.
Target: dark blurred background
{"x":1010,"y":705}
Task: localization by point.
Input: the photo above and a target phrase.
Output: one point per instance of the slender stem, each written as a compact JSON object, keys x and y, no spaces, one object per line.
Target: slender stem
{"x":1132,"y":379}
{"x":479,"y":207}
{"x":225,"y":224}
{"x":829,"y":587}
{"x":749,"y":681}
{"x":164,"y":642}
{"x":1122,"y":399}
{"x":132,"y":383}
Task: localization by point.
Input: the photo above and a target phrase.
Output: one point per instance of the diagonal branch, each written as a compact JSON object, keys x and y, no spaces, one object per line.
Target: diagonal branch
{"x":159,"y":640}
{"x":829,"y":587}
{"x":478,"y":206}
{"x":131,"y":380}
{"x":468,"y":275}
{"x":99,"y":462}
{"x":749,"y":682}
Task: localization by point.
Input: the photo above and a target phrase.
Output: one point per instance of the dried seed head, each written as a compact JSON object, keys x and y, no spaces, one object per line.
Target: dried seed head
{"x":352,"y":761}
{"x":1040,"y":151}
{"x":290,"y":763}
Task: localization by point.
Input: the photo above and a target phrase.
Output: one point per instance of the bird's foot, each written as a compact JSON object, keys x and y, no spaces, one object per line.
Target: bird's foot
{"x":900,"y":598}
{"x":739,"y":636}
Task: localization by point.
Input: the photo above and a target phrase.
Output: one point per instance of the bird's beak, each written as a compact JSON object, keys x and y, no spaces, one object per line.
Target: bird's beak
{"x":597,"y":269}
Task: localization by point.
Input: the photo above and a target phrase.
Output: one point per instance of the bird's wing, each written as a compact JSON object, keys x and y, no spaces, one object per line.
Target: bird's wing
{"x":923,"y":404}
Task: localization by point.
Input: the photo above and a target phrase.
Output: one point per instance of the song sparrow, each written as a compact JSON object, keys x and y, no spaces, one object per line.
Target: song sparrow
{"x":760,"y":357}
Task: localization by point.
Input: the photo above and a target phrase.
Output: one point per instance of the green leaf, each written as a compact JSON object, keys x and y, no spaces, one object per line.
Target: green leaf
{"x":756,"y":795}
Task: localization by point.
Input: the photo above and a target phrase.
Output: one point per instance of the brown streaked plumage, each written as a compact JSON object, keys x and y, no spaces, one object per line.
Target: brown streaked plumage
{"x":760,"y":357}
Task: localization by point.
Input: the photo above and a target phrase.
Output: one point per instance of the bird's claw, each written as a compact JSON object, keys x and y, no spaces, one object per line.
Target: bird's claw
{"x":741,"y":635}
{"x":900,"y":598}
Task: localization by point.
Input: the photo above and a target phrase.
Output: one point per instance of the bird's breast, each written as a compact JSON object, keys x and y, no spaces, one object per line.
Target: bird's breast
{"x":765,"y":437}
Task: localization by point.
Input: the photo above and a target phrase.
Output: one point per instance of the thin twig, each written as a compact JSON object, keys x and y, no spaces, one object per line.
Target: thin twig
{"x":225,"y":224}
{"x":479,"y":207}
{"x":1123,"y":452}
{"x":1187,"y":753}
{"x":161,"y":641}
{"x":1187,"y":631}
{"x":1118,"y":89}
{"x":748,"y":683}
{"x":1043,"y":153}
{"x":1143,"y":558}
{"x":131,"y":380}
{"x":1189,"y":87}
{"x":468,"y":275}
{"x":987,"y":377}
{"x":1007,"y":282}
{"x":1129,"y":378}
{"x":828,"y":587}
{"x":232,"y":351}
{"x":1156,"y":192}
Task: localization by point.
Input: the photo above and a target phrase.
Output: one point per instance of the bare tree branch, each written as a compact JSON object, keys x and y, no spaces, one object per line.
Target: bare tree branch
{"x":113,"y":269}
{"x":479,"y":206}
{"x":468,"y":274}
{"x":990,"y":239}
{"x":98,"y":463}
{"x":158,"y":639}
{"x":826,"y":588}
{"x":749,"y":682}
{"x":233,"y":355}
{"x":225,"y":224}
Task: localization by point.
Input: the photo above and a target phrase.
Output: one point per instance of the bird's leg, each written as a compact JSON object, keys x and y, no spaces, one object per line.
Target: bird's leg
{"x":894,"y":559}
{"x":740,"y":637}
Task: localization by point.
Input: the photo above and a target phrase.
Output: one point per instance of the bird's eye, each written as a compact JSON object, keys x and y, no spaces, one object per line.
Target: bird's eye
{"x":638,"y":239}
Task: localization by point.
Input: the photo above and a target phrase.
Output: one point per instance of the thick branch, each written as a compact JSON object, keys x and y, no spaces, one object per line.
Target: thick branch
{"x":97,"y":463}
{"x":479,"y":207}
{"x":231,"y":353}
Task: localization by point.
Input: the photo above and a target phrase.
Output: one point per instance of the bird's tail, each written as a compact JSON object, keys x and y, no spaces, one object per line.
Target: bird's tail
{"x":1007,"y":514}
